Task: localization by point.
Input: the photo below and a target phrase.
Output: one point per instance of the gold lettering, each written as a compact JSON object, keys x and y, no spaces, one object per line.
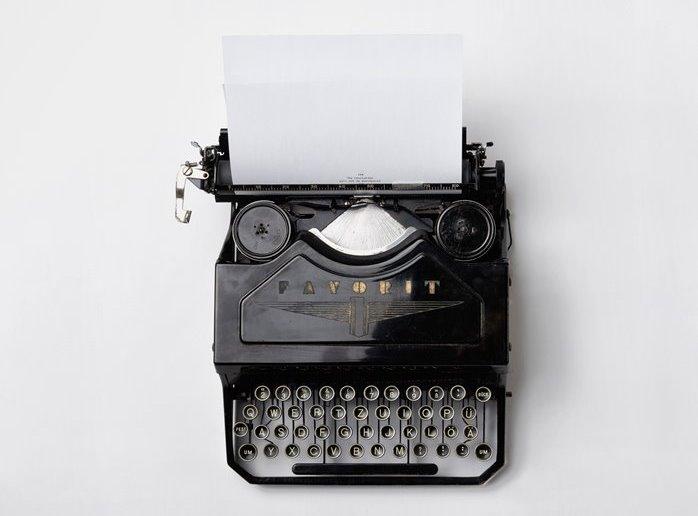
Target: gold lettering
{"x":408,"y":286}
{"x":384,"y":287}
{"x":333,"y":286}
{"x":309,"y":288}
{"x":432,"y":284}
{"x":359,"y":287}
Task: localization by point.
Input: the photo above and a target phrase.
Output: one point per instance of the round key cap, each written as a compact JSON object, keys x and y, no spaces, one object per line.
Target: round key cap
{"x":457,"y":392}
{"x":451,"y":432}
{"x":250,"y":412}
{"x":420,"y":450}
{"x":314,"y":451}
{"x":382,"y":412}
{"x":262,"y":432}
{"x":347,"y":393}
{"x":446,"y":412}
{"x":366,"y":431}
{"x":377,"y":450}
{"x":413,"y":393}
{"x":292,"y":450}
{"x":303,"y":393}
{"x":470,"y":432}
{"x":462,"y":450}
{"x":469,"y":412}
{"x":240,"y":429}
{"x":271,"y":451}
{"x":436,"y":393}
{"x":294,"y":412}
{"x":404,"y":412}
{"x":316,"y":412}
{"x":247,"y":452}
{"x":281,"y":432}
{"x":344,"y":432}
{"x":282,"y":393}
{"x":431,"y":432}
{"x":322,"y":432}
{"x":371,"y":393}
{"x":360,"y":412}
{"x":326,"y":393}
{"x":338,"y":412}
{"x":483,"y":394}
{"x":262,"y":393}
{"x":442,"y":450}
{"x":409,"y":432}
{"x":483,"y":451}
{"x":273,"y":412}
{"x":425,"y":412}
{"x":400,"y":451}
{"x":388,"y":432}
{"x":301,"y":432}
{"x":391,"y":393}
{"x":334,"y":451}
{"x":356,"y":451}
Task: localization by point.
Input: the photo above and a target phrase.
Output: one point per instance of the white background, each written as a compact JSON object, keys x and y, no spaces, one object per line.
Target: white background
{"x":109,"y":403}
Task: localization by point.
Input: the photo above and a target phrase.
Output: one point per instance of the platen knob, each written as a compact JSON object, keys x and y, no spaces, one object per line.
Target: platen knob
{"x":466,"y":230}
{"x":261,"y":230}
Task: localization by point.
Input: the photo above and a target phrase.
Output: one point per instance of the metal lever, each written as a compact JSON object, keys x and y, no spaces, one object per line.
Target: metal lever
{"x":186,"y":171}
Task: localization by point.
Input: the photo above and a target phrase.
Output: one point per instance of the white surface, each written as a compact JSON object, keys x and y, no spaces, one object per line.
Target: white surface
{"x":344,"y":109}
{"x":109,"y":403}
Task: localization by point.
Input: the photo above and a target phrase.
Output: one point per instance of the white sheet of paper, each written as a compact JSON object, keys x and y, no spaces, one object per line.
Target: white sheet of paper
{"x":344,"y":109}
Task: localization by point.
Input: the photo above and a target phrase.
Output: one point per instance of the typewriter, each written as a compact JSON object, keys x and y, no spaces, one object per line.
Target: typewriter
{"x":361,"y":331}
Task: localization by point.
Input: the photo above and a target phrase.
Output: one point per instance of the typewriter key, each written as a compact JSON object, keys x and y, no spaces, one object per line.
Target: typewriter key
{"x":436,"y":393}
{"x":462,"y":450}
{"x":382,"y":412}
{"x":262,"y":393}
{"x":420,"y":450}
{"x":281,"y":432}
{"x":360,"y":412}
{"x":292,"y":450}
{"x":431,"y":432}
{"x":347,"y":393}
{"x":273,"y":412}
{"x":483,"y":394}
{"x":240,"y":429}
{"x":326,"y":393}
{"x":442,"y":450}
{"x":303,"y":393}
{"x":470,"y":432}
{"x":261,"y":230}
{"x":413,"y":393}
{"x":446,"y":412}
{"x":301,"y":432}
{"x":410,"y":432}
{"x":483,"y":452}
{"x":344,"y":432}
{"x":457,"y":392}
{"x":316,"y":412}
{"x":388,"y":432}
{"x":262,"y":432}
{"x":399,"y":451}
{"x":371,"y":393}
{"x":426,"y":412}
{"x":322,"y":432}
{"x":250,"y":412}
{"x":334,"y":451}
{"x":294,"y":412}
{"x":247,"y":452}
{"x":377,"y":450}
{"x":366,"y":432}
{"x":271,"y":451}
{"x":391,"y":393}
{"x":356,"y":451}
{"x":282,"y":393}
{"x":451,"y":432}
{"x":314,"y":451}
{"x":466,"y":230}
{"x":338,"y":412}
{"x":469,"y":412}
{"x":404,"y":412}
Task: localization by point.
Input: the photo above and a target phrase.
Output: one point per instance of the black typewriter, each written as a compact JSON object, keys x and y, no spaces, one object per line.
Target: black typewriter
{"x":361,"y":330}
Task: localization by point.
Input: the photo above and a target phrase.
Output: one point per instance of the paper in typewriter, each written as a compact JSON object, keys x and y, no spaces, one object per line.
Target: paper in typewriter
{"x":344,"y":109}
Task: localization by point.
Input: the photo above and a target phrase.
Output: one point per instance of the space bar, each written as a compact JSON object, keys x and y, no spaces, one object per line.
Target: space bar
{"x":365,"y":469}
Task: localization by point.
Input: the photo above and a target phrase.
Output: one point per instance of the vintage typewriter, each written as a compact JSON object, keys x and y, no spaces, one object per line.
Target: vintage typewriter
{"x":361,"y":330}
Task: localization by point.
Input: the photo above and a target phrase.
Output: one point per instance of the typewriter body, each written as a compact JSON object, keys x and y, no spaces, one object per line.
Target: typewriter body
{"x":361,"y":331}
